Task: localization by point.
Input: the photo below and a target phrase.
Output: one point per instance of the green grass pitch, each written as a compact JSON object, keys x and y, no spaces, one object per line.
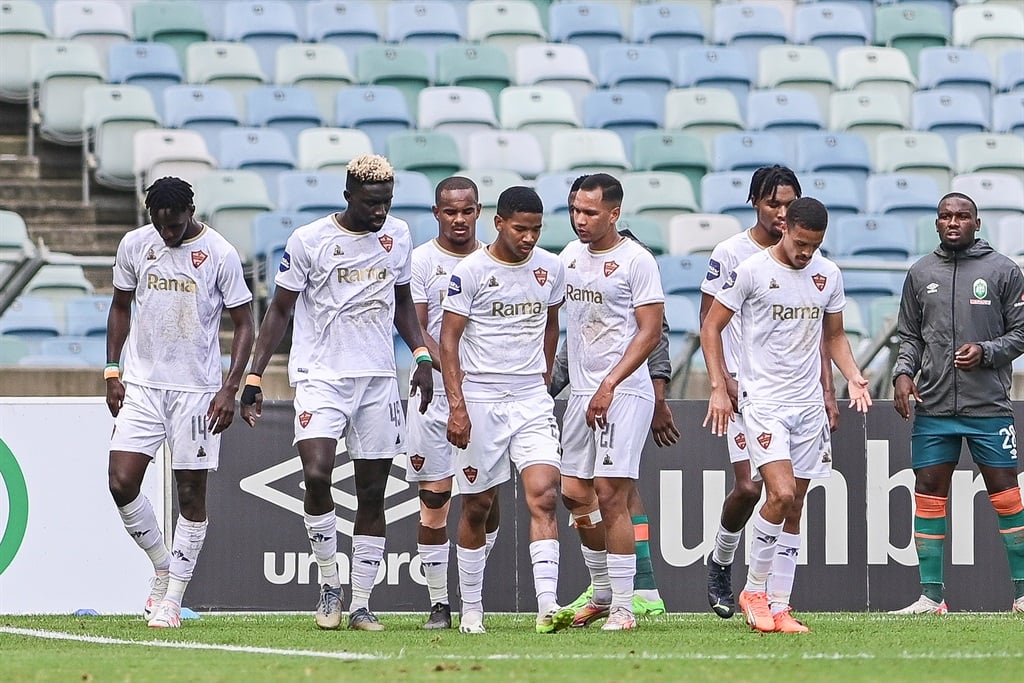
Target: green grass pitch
{"x":676,"y":647}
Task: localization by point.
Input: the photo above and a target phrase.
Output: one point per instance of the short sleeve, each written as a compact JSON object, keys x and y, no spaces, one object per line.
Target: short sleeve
{"x":645,"y":281}
{"x":837,"y":299}
{"x":405,"y":264}
{"x":461,"y":290}
{"x":125,"y":277}
{"x":293,"y":271}
{"x":557,"y":285}
{"x":418,"y":281}
{"x":718,"y":271}
{"x":231,"y":280}
{"x":734,"y":289}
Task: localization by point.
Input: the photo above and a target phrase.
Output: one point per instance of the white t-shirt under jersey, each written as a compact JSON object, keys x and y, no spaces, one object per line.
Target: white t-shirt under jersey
{"x":346,"y":307}
{"x":432,"y":267}
{"x":781,"y":310}
{"x":728,"y":254}
{"x":180,"y":294}
{"x":507,"y":307}
{"x":602,"y":292}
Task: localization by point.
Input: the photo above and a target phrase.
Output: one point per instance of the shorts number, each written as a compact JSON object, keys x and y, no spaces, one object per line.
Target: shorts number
{"x":395,"y":413}
{"x":198,"y":427}
{"x":1009,"y":435}
{"x":606,"y":439}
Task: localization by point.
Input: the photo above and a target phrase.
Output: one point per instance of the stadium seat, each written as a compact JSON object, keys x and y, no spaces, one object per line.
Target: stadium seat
{"x":831,"y":26}
{"x":177,"y":23}
{"x":625,"y":112}
{"x":427,"y":26}
{"x":475,"y":66}
{"x":681,"y":276}
{"x":289,"y":110}
{"x":914,"y":152}
{"x":876,"y":70}
{"x":699,"y":233}
{"x":378,"y":111}
{"x":990,"y":27}
{"x":1010,"y":71}
{"x":911,"y":27}
{"x":318,"y":192}
{"x":153,"y":66}
{"x":785,"y":112}
{"x":873,"y":236}
{"x":31,"y":318}
{"x":330,"y":149}
{"x":1008,"y":113}
{"x":506,"y":24}
{"x":13,"y":349}
{"x":556,"y":64}
{"x":13,"y":233}
{"x":883,"y":312}
{"x":540,"y":110}
{"x":672,"y":151}
{"x":21,"y":24}
{"x":749,"y":27}
{"x":645,"y":229}
{"x":590,"y":25}
{"x":506,"y":150}
{"x":837,"y":191}
{"x":845,"y":153}
{"x":748,"y":151}
{"x":264,"y":25}
{"x":204,"y":109}
{"x":319,"y":68}
{"x":424,"y":229}
{"x":229,"y":200}
{"x":553,"y":189}
{"x":867,"y":114}
{"x":854,"y":325}
{"x":704,"y":112}
{"x":166,"y":152}
{"x":1008,"y":235}
{"x":907,"y":196}
{"x":265,"y":151}
{"x":669,"y":25}
{"x":270,"y":232}
{"x":86,"y":316}
{"x":683,"y":320}
{"x":657,"y":195}
{"x":797,"y":67}
{"x":963,"y":69}
{"x":490,"y":183}
{"x":350,"y":25}
{"x":925,"y":234}
{"x":556,"y":232}
{"x":990,"y":152}
{"x":726,"y":193}
{"x":101,"y":23}
{"x":61,"y":71}
{"x":232,"y":66}
{"x":636,"y":67}
{"x":996,"y":194}
{"x":111,"y":115}
{"x":435,"y":155}
{"x":405,"y":68}
{"x":58,"y":284}
{"x":414,"y":196}
{"x":948,"y":112}
{"x":587,"y":150}
{"x":864,"y":286}
{"x":458,"y":111}
{"x":71,"y":351}
{"x":716,"y":67}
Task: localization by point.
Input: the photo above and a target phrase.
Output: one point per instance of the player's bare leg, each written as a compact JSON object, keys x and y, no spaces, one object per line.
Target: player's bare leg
{"x":580,"y":499}
{"x":736,"y":511}
{"x":540,"y":484}
{"x":471,"y":554}
{"x":371,"y":478}
{"x":433,"y":548}
{"x":613,"y":496}
{"x":318,"y":456}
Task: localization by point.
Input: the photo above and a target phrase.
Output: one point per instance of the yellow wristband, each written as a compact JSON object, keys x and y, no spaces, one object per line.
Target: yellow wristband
{"x":111,"y":372}
{"x":253,"y":380}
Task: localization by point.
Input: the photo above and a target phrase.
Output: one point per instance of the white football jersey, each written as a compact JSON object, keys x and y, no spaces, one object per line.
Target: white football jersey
{"x":507,"y":307}
{"x":180,"y":294}
{"x":602,"y":291}
{"x":346,"y":307}
{"x":432,"y":268}
{"x":781,"y":310}
{"x":726,"y":255}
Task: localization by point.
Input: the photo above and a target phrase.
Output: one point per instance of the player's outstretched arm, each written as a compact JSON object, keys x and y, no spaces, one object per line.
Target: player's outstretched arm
{"x":408,"y":325}
{"x":222,"y":407}
{"x":453,"y":326}
{"x":838,"y":347}
{"x":118,"y":323}
{"x":720,"y":405}
{"x":272,"y":329}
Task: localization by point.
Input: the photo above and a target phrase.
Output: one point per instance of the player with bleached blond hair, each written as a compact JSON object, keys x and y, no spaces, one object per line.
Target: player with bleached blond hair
{"x":346,"y":277}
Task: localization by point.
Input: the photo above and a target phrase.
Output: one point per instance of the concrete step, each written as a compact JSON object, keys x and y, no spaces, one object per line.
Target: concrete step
{"x":15,"y":166}
{"x":51,"y":211}
{"x":87,"y":240}
{"x":34,"y":189}
{"x":14,"y":144}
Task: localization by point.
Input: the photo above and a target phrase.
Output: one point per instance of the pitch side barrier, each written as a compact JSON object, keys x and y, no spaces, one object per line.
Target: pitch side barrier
{"x":858,"y":552}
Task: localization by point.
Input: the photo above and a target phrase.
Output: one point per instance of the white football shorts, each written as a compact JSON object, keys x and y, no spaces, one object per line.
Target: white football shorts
{"x":798,"y":433}
{"x":151,"y":416}
{"x":431,"y":456}
{"x":610,"y":452}
{"x":366,"y":411}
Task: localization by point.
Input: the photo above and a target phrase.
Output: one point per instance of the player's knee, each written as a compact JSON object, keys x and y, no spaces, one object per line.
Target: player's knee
{"x":782,"y":499}
{"x":122,"y":489}
{"x":544,"y":502}
{"x":372,"y":493}
{"x":190,"y":499}
{"x":434,"y":500}
{"x":434,"y":508}
{"x":475,"y":510}
{"x":575,"y":503}
{"x":747,"y":492}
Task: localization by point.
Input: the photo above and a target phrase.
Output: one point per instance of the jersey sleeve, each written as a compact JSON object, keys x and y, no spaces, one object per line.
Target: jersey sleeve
{"x":461,"y":290}
{"x":645,"y":281}
{"x":293,"y":271}
{"x":557,"y":285}
{"x":405,"y":265}
{"x":718,"y":270}
{"x":231,"y":280}
{"x":125,"y":277}
{"x":418,"y":281}
{"x":734,"y":289}
{"x":837,"y":300}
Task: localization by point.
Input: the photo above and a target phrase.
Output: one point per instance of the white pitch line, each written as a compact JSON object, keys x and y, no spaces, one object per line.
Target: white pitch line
{"x":645,"y":656}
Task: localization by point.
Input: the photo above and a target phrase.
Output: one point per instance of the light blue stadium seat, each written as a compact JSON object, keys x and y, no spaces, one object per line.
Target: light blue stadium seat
{"x":428,"y":26}
{"x":153,"y":66}
{"x":749,"y":27}
{"x":624,"y":111}
{"x":404,"y":67}
{"x":669,"y":25}
{"x":716,"y":67}
{"x":436,"y":155}
{"x":591,"y":25}
{"x":60,"y":72}
{"x":350,"y":25}
{"x":275,"y":227}
{"x":1010,"y":71}
{"x":785,"y":112}
{"x":748,"y":151}
{"x":263,"y":24}
{"x":1008,"y":235}
{"x":13,"y":349}
{"x":1008,"y":113}
{"x":229,"y":200}
{"x":831,"y":26}
{"x":837,"y":191}
{"x":70,"y":351}
{"x":321,"y":192}
{"x":638,"y":67}
{"x":111,"y":115}
{"x":21,"y":24}
{"x":265,"y":151}
{"x":864,"y":286}
{"x":683,"y":319}
{"x":377,"y":110}
{"x":949,"y":112}
{"x":726,"y":193}
{"x":414,"y":195}
{"x":205,"y":109}
{"x":873,"y":236}
{"x":553,"y":189}
{"x":289,"y":110}
{"x":957,"y":68}
{"x":683,"y":275}
{"x":424,"y":229}
{"x":839,"y":152}
{"x":86,"y":316}
{"x":31,"y":318}
{"x":905,"y":195}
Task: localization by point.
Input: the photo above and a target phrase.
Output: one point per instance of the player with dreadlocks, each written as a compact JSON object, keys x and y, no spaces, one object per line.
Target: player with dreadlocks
{"x":180,"y":270}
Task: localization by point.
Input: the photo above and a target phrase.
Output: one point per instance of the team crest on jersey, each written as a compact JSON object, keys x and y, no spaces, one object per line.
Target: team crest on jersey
{"x":454,"y":286}
{"x":493,"y":282}
{"x":819,"y":281}
{"x":416,"y":460}
{"x":304,"y":418}
{"x":286,"y":262}
{"x":741,"y":441}
{"x":338,"y":251}
{"x":440,"y":270}
{"x":198,"y":258}
{"x":610,"y":267}
{"x":773,"y":284}
{"x":541,"y":275}
{"x":730,"y":281}
{"x":151,"y":255}
{"x":714,"y":270}
{"x":572,"y":264}
{"x":470,"y":473}
{"x":387,"y":242}
{"x":765,"y":439}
